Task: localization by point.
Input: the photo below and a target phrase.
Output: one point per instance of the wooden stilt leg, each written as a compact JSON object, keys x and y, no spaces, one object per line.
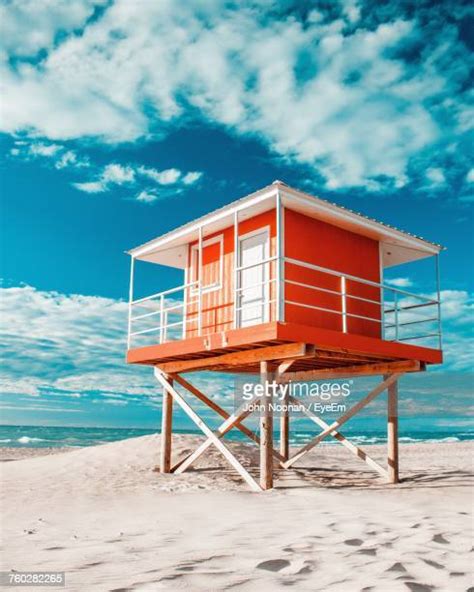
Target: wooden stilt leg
{"x":392,"y":433}
{"x":266,"y":435}
{"x":285,"y":430}
{"x":166,"y":432}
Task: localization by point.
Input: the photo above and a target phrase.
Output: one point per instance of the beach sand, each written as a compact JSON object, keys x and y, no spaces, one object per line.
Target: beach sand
{"x":112,"y":523}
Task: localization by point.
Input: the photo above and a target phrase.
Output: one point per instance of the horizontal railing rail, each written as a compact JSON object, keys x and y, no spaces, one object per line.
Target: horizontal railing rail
{"x":400,"y":302}
{"x":395,"y":311}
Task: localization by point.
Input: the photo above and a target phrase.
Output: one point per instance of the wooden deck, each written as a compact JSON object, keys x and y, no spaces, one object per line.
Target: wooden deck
{"x":311,"y":349}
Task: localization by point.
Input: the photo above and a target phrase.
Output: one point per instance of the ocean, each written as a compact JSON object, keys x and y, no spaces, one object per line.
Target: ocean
{"x":370,"y":432}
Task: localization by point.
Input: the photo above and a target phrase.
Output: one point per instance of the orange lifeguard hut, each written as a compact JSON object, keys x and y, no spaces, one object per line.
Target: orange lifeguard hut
{"x":286,"y":283}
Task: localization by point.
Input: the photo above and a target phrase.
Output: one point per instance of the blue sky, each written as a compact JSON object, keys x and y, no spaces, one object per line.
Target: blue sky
{"x":121,"y":120}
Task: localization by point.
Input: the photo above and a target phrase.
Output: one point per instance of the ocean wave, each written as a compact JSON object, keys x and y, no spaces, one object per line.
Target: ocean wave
{"x":5,"y":441}
{"x":28,"y":439}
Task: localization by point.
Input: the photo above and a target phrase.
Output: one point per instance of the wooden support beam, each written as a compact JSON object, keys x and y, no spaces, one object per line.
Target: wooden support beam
{"x":228,"y":424}
{"x":392,"y":433}
{"x":220,"y":411}
{"x":342,"y":420}
{"x":266,"y":434}
{"x":285,"y":429}
{"x":213,"y":405}
{"x":342,"y":439}
{"x":285,"y":414}
{"x":240,"y":358}
{"x":359,"y":370}
{"x":166,"y":432}
{"x":164,"y":381}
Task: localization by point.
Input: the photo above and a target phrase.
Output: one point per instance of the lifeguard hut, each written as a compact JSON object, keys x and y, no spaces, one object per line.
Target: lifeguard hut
{"x":285,"y":283}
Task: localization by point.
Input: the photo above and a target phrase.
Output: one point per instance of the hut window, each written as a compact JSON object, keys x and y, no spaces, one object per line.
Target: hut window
{"x":212,"y":263}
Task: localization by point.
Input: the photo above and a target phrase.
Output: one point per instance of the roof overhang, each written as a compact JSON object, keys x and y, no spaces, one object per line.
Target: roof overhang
{"x":396,"y":246}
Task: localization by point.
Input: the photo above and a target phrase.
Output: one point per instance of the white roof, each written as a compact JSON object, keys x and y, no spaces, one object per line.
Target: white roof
{"x":397,"y":246}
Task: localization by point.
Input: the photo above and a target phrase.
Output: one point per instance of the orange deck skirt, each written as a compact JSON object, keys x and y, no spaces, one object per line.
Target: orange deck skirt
{"x":273,"y":333}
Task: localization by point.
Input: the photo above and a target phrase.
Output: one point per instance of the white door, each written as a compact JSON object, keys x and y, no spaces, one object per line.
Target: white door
{"x":253,"y":280}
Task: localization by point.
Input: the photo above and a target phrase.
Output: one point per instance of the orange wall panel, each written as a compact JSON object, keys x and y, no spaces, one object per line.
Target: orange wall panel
{"x":325,"y":245}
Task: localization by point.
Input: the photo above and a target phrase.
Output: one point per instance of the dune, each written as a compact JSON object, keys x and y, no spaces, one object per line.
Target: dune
{"x":107,"y":518}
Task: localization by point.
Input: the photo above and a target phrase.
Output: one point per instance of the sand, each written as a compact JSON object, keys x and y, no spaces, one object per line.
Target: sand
{"x":103,"y":516}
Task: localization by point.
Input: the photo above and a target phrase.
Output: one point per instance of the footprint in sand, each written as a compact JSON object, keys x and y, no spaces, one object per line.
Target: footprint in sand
{"x":353,"y":542}
{"x":439,"y":538}
{"x":54,"y":548}
{"x":415,"y":587}
{"x":299,"y":548}
{"x":273,"y":564}
{"x":398,"y":567}
{"x":371,"y":552}
{"x":433,"y":564}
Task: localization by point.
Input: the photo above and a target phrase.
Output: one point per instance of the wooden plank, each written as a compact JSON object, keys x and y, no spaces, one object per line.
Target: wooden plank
{"x":342,"y":420}
{"x":228,"y":424}
{"x":359,"y":344}
{"x":240,"y":358}
{"x":166,"y":432}
{"x":220,"y":411}
{"x":208,"y":343}
{"x":212,"y":404}
{"x":285,"y":414}
{"x":266,"y":435}
{"x":342,"y":439}
{"x":359,"y":370}
{"x":392,"y":433}
{"x":285,"y":429}
{"x":162,"y":379}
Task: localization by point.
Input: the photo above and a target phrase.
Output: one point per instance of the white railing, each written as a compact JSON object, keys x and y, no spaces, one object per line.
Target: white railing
{"x":166,"y":317}
{"x":396,"y":308}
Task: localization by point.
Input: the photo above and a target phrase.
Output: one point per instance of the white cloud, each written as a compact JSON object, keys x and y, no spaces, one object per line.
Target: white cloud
{"x":118,"y":174}
{"x":29,"y":26}
{"x":105,"y":178}
{"x":352,"y":11}
{"x":166,"y":177}
{"x":91,"y":186}
{"x":147,"y":196}
{"x":67,"y":345}
{"x":436,"y":176}
{"x":192,"y":177}
{"x":401,"y":282}
{"x":457,"y":306}
{"x":48,"y":150}
{"x":56,"y":154}
{"x":71,"y":159}
{"x":334,"y":94}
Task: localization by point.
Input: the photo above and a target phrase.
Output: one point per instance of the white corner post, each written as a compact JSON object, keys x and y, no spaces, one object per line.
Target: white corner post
{"x":185,"y":293}
{"x":438,"y":296}
{"x":392,"y":432}
{"x":200,"y":283}
{"x":280,"y":262}
{"x":344,"y":304}
{"x":166,"y":431}
{"x":266,"y":434}
{"x":130,"y":302}
{"x":382,"y":295}
{"x":236,"y":269}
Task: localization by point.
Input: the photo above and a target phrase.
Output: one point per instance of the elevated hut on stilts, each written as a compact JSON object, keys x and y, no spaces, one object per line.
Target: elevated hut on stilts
{"x":284,"y":284}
